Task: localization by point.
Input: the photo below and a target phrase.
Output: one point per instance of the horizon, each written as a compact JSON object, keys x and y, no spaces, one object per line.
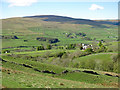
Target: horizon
{"x":83,"y":10}
{"x":58,"y":15}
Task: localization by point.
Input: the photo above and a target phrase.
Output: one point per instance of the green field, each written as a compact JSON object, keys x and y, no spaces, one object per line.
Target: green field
{"x":61,"y":63}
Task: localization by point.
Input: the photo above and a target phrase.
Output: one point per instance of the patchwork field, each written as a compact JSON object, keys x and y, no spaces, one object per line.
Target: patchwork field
{"x":48,"y":52}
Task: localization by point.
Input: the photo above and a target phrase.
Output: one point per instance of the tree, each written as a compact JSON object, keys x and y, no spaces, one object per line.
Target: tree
{"x":89,"y":50}
{"x":71,"y":46}
{"x":81,"y":47}
{"x":6,"y":51}
{"x":102,"y":49}
{"x":48,"y":47}
{"x":40,"y":48}
{"x":100,"y":44}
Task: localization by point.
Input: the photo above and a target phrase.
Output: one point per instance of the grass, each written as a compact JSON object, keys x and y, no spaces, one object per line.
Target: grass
{"x":29,"y":29}
{"x":18,"y":76}
{"x":40,"y":66}
{"x":101,"y":57}
{"x":40,"y":81}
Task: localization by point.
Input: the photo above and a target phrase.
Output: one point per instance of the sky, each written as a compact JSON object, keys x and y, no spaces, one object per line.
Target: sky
{"x":107,"y":9}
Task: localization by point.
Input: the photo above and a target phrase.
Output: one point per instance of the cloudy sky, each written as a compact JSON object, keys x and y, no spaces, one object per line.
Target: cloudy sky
{"x":106,"y":9}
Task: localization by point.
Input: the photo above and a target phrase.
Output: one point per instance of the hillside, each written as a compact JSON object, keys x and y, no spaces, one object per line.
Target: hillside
{"x":48,"y":51}
{"x":72,"y":20}
{"x":65,"y":29}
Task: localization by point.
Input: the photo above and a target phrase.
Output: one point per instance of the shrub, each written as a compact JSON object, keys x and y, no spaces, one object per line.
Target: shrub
{"x":71,"y":46}
{"x":61,"y":47}
{"x":114,"y":58}
{"x":49,"y":47}
{"x":114,"y":48}
{"x":65,"y":55}
{"x":59,"y":54}
{"x":81,"y":47}
{"x":101,"y":49}
{"x":50,"y":40}
{"x":6,"y":51}
{"x":110,"y":66}
{"x":89,"y":50}
{"x":76,"y":54}
{"x":115,"y":67}
{"x":40,"y":48}
{"x":90,"y":64}
{"x":109,"y":50}
{"x":82,"y":64}
{"x":76,"y":65}
{"x":100,"y":44}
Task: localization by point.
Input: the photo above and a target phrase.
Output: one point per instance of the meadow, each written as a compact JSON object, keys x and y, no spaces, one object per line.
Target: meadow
{"x":38,"y":53}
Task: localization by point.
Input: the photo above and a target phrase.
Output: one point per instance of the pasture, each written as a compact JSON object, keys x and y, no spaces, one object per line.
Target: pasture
{"x":61,"y":63}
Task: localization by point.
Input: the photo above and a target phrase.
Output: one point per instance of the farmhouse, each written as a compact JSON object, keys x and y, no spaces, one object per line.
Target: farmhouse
{"x":85,"y":46}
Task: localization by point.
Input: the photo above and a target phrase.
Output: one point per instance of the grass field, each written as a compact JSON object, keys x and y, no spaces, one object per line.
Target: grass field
{"x":24,"y":66}
{"x":29,"y":29}
{"x":20,"y":74}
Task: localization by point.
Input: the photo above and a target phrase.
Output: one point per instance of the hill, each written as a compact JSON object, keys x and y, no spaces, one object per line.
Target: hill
{"x":65,"y":29}
{"x":46,"y":51}
{"x":72,"y":20}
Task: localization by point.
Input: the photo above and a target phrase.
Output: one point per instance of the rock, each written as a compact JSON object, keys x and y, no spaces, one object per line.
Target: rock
{"x":27,"y":66}
{"x":91,"y":72}
{"x":46,"y":71}
{"x":66,"y":71}
{"x":108,"y":74}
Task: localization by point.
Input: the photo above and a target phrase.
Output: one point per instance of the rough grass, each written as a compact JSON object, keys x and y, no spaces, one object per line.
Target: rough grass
{"x":40,"y":81}
{"x":18,"y":75}
{"x":28,"y":28}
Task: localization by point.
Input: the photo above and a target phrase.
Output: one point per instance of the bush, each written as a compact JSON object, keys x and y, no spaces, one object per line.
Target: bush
{"x":81,"y":47}
{"x":65,"y":55}
{"x":61,"y":47}
{"x":100,"y":44}
{"x":109,"y":50}
{"x":114,"y":48}
{"x":71,"y":46}
{"x":101,"y":49}
{"x":89,"y":50}
{"x":114,"y":58}
{"x":6,"y":51}
{"x":115,"y":67}
{"x":90,"y":64}
{"x":76,"y":65}
{"x":59,"y":54}
{"x":50,"y":40}
{"x":76,"y":54}
{"x":49,"y":47}
{"x":40,"y":48}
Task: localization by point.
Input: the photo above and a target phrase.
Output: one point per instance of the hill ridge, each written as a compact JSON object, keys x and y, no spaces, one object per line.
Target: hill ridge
{"x":64,"y":19}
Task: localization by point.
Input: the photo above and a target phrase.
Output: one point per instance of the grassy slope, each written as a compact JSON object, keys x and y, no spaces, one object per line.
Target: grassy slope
{"x":29,"y":29}
{"x":40,"y":81}
{"x":87,"y":80}
{"x":19,"y":77}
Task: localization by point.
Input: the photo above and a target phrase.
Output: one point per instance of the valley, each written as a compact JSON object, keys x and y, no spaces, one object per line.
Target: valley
{"x":49,"y":51}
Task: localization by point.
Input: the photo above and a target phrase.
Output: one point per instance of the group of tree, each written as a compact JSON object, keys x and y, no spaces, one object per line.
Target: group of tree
{"x":49,"y":40}
{"x":42,"y":47}
{"x":102,"y":48}
{"x":81,"y":34}
{"x":71,"y":46}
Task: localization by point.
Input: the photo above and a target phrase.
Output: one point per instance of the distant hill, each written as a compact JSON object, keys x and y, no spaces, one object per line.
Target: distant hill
{"x":66,"y":29}
{"x":64,"y":19}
